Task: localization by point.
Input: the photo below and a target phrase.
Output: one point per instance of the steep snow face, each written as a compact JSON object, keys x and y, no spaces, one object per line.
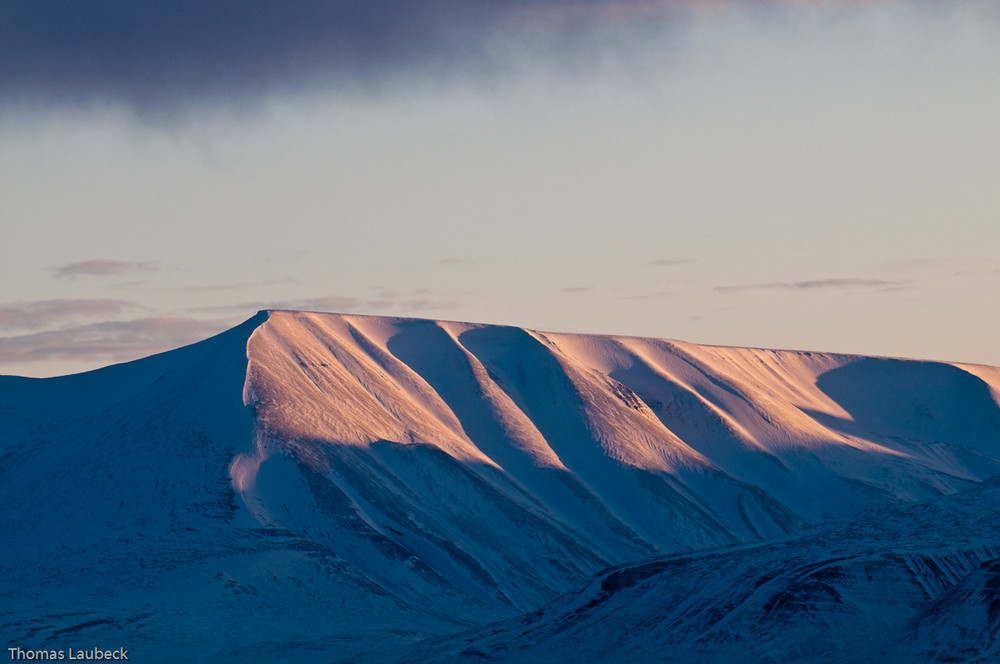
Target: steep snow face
{"x":504,"y":464}
{"x":405,"y":478}
{"x":756,"y":442}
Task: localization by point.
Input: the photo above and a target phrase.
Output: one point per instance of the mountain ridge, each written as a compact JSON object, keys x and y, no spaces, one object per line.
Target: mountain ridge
{"x":388,"y":471}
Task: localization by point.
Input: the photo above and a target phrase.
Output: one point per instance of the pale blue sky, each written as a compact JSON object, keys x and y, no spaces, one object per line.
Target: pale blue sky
{"x":816,"y":176}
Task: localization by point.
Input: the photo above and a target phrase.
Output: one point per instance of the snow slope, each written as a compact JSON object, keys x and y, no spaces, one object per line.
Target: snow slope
{"x":908,"y":583}
{"x":310,"y":485}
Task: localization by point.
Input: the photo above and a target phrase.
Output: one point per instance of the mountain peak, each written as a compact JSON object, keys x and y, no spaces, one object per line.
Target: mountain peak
{"x":409,"y":476}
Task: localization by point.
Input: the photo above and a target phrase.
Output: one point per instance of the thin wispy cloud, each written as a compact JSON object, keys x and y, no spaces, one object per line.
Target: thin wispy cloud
{"x":101,"y":267}
{"x":112,"y":341}
{"x":954,"y":266}
{"x":45,"y":313}
{"x":917,"y":264}
{"x":659,"y":295}
{"x":819,"y":284}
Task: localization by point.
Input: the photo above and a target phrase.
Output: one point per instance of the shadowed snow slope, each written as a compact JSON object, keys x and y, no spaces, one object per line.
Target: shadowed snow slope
{"x":909,"y":583}
{"x":312,"y":486}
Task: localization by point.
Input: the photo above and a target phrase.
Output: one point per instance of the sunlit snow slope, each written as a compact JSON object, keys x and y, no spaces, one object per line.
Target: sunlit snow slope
{"x":335,"y":485}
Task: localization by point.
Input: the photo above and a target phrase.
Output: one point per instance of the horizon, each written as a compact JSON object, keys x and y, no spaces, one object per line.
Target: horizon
{"x":479,"y":324}
{"x":781,"y":175}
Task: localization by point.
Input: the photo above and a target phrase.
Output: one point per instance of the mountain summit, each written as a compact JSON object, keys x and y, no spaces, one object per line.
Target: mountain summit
{"x":308,"y":487}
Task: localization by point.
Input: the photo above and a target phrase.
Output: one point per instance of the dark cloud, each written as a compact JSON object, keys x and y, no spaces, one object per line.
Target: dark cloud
{"x":42,"y":313}
{"x":150,"y":54}
{"x":101,"y":267}
{"x":162,"y":56}
{"x":819,"y":284}
{"x":108,"y":341}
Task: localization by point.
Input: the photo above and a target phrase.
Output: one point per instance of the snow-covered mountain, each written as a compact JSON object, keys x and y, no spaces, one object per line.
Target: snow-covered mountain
{"x":317,"y":487}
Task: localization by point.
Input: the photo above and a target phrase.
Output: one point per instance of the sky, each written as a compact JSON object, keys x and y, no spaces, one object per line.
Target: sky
{"x":803,"y":175}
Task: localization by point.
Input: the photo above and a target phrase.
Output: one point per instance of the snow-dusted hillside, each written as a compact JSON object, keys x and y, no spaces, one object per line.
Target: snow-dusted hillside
{"x":308,"y":487}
